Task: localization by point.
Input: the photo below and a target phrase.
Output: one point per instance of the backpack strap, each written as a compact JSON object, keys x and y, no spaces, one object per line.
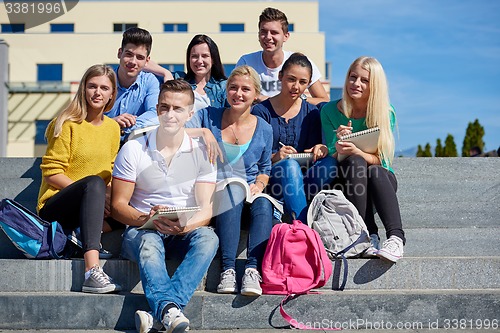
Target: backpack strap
{"x":341,"y":254}
{"x":51,"y":240}
{"x":296,"y":324}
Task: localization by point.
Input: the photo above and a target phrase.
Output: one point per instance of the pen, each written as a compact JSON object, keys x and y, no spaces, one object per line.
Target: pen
{"x":282,"y":144}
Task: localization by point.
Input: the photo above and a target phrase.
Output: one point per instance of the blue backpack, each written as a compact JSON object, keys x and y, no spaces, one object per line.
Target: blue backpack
{"x":34,"y":237}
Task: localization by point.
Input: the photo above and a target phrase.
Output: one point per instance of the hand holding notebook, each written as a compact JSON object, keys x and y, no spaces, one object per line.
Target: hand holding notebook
{"x":171,"y":213}
{"x":366,"y":140}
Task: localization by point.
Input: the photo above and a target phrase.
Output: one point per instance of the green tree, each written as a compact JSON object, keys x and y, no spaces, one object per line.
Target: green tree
{"x":427,"y":151}
{"x":450,"y":148}
{"x":473,"y":137}
{"x":438,"y":152}
{"x":420,"y":152}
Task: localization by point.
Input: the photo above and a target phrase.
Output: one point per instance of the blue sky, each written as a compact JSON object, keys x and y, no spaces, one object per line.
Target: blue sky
{"x":441,"y":57}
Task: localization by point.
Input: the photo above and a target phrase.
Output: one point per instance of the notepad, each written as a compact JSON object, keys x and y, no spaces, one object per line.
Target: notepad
{"x":171,"y":213}
{"x":302,"y":158}
{"x":366,"y":140}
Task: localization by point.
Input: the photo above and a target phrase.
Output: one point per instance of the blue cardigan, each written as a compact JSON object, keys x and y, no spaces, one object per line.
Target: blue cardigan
{"x":257,"y":158}
{"x":301,"y":132}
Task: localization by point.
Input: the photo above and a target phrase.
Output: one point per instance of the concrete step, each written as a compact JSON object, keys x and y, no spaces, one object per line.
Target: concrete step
{"x":363,"y":274}
{"x":421,"y":242}
{"x":349,"y":309}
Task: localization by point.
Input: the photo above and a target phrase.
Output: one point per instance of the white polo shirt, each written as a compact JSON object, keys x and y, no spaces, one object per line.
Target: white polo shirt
{"x":156,"y":183}
{"x":271,"y":85}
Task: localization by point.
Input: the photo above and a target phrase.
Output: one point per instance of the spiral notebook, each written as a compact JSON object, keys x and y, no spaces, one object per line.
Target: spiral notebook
{"x":171,"y":213}
{"x":302,"y":158}
{"x":366,"y":140}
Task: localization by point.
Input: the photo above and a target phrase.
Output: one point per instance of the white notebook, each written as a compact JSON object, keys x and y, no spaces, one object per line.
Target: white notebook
{"x":172,"y":213}
{"x":366,"y":140}
{"x":302,"y":158}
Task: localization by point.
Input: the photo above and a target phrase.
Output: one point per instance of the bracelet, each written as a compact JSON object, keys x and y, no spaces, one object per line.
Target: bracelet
{"x":260,"y":181}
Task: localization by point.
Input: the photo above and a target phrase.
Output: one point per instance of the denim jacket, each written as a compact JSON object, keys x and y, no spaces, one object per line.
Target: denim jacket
{"x":215,"y":90}
{"x":257,"y":158}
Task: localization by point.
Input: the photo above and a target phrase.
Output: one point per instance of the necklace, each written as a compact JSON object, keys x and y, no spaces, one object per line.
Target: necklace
{"x":236,"y":142}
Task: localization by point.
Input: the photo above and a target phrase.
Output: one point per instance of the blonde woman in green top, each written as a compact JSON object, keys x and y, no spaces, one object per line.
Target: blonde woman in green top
{"x":367,"y":180}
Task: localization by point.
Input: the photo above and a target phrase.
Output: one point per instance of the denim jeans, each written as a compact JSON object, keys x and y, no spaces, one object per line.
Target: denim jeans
{"x":228,"y":226}
{"x":149,"y":249}
{"x":296,"y":188}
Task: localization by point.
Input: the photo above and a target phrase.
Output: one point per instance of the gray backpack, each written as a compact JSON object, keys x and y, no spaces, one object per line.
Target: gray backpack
{"x":339,"y":225}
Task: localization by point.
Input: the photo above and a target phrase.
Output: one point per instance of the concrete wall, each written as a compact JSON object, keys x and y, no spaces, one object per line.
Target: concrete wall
{"x":95,"y":42}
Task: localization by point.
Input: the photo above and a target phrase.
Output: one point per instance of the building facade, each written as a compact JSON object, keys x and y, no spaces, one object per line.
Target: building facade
{"x":46,"y":59}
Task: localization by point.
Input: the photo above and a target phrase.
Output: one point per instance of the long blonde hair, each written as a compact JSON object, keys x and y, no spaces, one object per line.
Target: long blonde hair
{"x":378,"y":107}
{"x":77,"y":109}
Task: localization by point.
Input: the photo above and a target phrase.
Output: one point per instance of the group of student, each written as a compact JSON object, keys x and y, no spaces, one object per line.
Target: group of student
{"x":210,"y":127}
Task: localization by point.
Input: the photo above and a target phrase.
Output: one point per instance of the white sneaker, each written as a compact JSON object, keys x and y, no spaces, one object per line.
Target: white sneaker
{"x":99,"y":282}
{"x":175,"y":321}
{"x":392,"y":249}
{"x":145,"y":322}
{"x":227,"y":283}
{"x":250,"y":285}
{"x":373,"y":249}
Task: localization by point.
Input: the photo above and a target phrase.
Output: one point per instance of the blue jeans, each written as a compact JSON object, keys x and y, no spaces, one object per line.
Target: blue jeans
{"x":295,"y":188}
{"x":149,"y":250}
{"x":228,"y":227}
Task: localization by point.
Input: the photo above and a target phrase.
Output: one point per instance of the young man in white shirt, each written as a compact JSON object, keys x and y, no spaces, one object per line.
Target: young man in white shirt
{"x":273,"y":33}
{"x":166,"y":168}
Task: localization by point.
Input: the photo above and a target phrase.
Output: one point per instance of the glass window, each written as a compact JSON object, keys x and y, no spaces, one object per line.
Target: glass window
{"x":175,"y":27}
{"x":328,"y":70}
{"x":62,"y":27}
{"x":232,"y":27}
{"x":120,"y":27}
{"x":10,"y":28}
{"x":228,"y":68}
{"x":41,"y":126}
{"x":49,"y":72}
{"x":173,"y":67}
{"x":291,"y":27}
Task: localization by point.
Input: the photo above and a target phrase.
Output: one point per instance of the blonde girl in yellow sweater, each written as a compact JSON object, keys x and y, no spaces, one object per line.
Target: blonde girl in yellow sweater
{"x":76,"y":169}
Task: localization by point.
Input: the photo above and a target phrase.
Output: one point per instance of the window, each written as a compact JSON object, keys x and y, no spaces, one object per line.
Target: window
{"x":175,"y":27}
{"x":120,"y":27}
{"x":173,"y":67}
{"x":49,"y":72}
{"x":10,"y":28}
{"x":232,"y":27}
{"x":41,"y":126}
{"x":291,"y":27}
{"x":62,"y":27}
{"x":228,"y":68}
{"x":328,"y":70}
{"x":114,"y":66}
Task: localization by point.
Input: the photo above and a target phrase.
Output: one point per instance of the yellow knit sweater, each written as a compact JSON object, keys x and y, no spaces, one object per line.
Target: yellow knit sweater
{"x":80,"y":150}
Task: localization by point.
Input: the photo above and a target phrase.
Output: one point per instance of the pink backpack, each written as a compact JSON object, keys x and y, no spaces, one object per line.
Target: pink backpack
{"x":295,"y":262}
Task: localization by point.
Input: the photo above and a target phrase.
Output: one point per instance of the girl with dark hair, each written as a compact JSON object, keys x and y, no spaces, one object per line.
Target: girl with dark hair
{"x":205,"y":73}
{"x":296,"y":129}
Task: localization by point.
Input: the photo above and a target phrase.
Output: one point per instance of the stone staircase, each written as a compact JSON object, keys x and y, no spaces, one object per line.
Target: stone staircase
{"x":450,"y":274}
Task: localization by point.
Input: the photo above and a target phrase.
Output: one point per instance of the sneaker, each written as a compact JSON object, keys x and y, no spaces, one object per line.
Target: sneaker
{"x":99,"y":282}
{"x":104,"y":254}
{"x":392,"y":249}
{"x":372,"y":250}
{"x":227,"y":283}
{"x":145,"y":322}
{"x":250,"y":285}
{"x":175,"y":321}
